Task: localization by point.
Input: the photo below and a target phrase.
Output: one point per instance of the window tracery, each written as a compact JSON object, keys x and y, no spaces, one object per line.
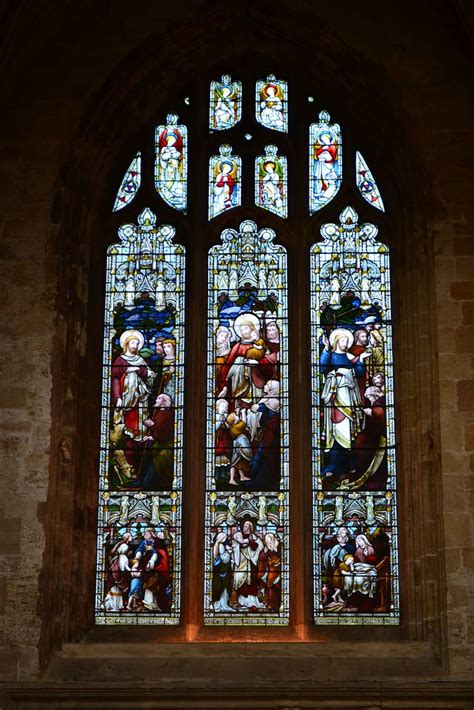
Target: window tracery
{"x":247,"y":522}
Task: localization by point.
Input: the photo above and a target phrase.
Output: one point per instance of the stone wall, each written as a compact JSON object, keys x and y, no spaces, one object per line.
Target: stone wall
{"x":56,"y":60}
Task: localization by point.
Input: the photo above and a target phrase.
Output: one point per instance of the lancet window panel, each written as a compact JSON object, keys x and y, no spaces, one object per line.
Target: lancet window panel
{"x":354,"y":454}
{"x":141,"y":454}
{"x":247,"y":501}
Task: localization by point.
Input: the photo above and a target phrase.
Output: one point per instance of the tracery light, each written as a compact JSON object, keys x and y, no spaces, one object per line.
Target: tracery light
{"x":130,"y":183}
{"x":366,"y":184}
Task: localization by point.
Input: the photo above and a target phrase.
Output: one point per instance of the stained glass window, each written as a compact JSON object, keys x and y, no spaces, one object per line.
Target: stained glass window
{"x":246,"y":441}
{"x":139,"y":529}
{"x":225,"y":104}
{"x":246,"y":579}
{"x":224,"y":181}
{"x":130,"y":183}
{"x":366,"y":183}
{"x":171,"y":162}
{"x":271,"y":175}
{"x":271,"y":103}
{"x":325,"y":162}
{"x":354,"y":476}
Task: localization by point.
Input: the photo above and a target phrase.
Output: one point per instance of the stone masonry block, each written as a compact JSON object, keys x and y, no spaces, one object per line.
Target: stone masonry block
{"x":468,"y":313}
{"x":465,"y":395}
{"x":12,"y":397}
{"x":10,"y":534}
{"x":465,"y":267}
{"x":449,"y":313}
{"x":3,"y":594}
{"x":464,"y":246}
{"x":469,"y":437}
{"x":8,"y":664}
{"x":462,"y":291}
{"x":458,"y":366}
{"x":464,"y":339}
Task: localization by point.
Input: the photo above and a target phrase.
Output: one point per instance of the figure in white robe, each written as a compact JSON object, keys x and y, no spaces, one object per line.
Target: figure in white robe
{"x":343,"y":413}
{"x":271,"y":189}
{"x":170,"y":178}
{"x":246,"y":547}
{"x":224,"y":113}
{"x":271,"y":113}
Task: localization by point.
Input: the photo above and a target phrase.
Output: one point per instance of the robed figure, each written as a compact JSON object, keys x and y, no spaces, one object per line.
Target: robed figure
{"x":343,"y":413}
{"x":131,"y":378}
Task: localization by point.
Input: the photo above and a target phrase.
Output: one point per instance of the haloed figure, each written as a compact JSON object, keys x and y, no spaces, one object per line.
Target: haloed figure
{"x":130,"y":379}
{"x":224,"y":188}
{"x":271,"y":187}
{"x":272,"y":108}
{"x":224,"y":112}
{"x":343,"y":414}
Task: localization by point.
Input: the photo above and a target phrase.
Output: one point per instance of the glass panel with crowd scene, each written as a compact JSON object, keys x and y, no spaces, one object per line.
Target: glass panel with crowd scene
{"x":354,"y":472}
{"x":140,"y":475}
{"x":246,"y":579}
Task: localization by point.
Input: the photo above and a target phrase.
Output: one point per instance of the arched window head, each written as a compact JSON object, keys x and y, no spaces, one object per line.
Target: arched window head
{"x":280,"y":331}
